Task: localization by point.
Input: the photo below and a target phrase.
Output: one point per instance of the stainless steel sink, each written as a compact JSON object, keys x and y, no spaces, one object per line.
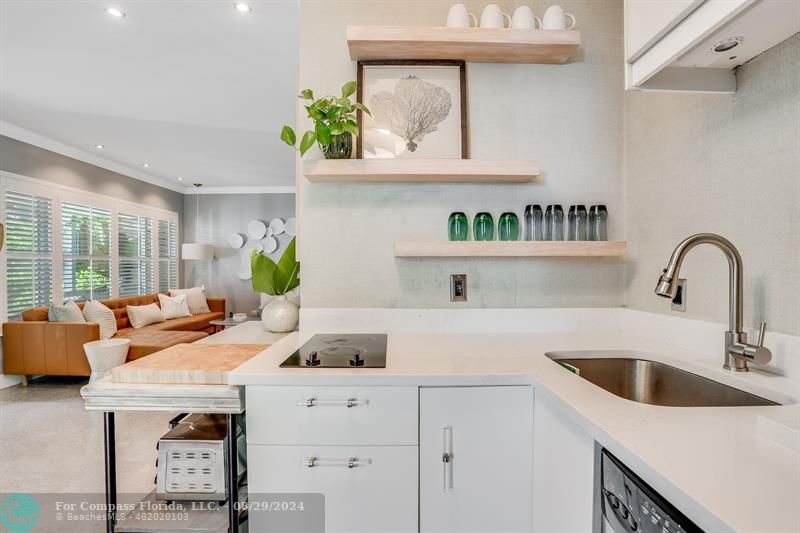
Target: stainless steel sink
{"x":644,"y":381}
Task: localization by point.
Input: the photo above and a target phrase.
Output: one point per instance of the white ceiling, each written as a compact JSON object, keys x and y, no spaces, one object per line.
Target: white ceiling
{"x":193,"y":88}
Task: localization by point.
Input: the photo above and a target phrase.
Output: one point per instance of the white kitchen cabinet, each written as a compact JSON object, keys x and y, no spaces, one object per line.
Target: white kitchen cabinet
{"x":694,"y":45}
{"x":332,"y":415}
{"x":377,"y":494}
{"x":563,"y":462}
{"x":647,"y":21}
{"x":475,"y":453}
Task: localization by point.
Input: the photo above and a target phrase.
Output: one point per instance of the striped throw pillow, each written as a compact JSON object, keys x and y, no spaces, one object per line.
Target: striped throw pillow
{"x":196,"y":297}
{"x":94,"y":311}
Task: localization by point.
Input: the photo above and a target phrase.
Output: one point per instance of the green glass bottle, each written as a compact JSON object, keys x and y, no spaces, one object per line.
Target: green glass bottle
{"x":457,"y":226}
{"x":483,"y":227}
{"x":508,"y":227}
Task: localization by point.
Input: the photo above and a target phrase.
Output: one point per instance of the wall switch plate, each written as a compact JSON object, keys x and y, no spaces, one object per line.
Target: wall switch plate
{"x":679,"y":302}
{"x":458,"y":287}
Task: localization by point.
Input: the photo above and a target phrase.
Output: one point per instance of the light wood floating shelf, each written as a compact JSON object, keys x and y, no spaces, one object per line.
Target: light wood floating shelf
{"x":509,"y":248}
{"x":420,"y":170}
{"x":482,"y":45}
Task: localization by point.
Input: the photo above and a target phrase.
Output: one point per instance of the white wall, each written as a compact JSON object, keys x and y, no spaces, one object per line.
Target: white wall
{"x":209,"y":219}
{"x":727,"y":164}
{"x":567,"y":117}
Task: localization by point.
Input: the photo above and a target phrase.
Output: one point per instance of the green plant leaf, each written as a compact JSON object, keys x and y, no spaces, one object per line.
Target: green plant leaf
{"x":314,"y":112}
{"x":334,"y":113}
{"x":351,"y":126}
{"x":307,"y":94}
{"x":363,"y":108}
{"x":263,"y":274}
{"x":308,"y":140}
{"x":288,"y":136}
{"x":323,"y":134}
{"x":288,"y":269}
{"x":337,"y":128}
{"x":348,"y":88}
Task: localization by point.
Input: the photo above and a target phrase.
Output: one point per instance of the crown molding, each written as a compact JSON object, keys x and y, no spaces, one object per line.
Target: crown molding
{"x":36,"y":139}
{"x":266,"y":189}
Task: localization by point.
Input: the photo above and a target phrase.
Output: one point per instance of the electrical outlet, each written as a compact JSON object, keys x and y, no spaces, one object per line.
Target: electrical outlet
{"x":458,"y":287}
{"x":679,"y":302}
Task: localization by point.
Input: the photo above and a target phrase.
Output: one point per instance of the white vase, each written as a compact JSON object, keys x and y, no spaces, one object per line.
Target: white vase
{"x":280,"y":315}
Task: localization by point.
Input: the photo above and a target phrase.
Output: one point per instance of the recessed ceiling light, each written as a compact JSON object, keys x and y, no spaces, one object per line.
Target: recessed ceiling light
{"x":180,"y":178}
{"x":115,"y":12}
{"x":241,"y":7}
{"x":99,"y":146}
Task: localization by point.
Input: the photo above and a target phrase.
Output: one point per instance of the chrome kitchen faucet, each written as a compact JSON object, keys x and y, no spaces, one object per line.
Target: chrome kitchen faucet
{"x":737,"y":351}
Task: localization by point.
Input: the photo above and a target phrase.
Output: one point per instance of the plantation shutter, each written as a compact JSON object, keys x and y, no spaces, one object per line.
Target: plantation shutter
{"x":29,"y":252}
{"x":135,"y":255}
{"x":167,"y":255}
{"x":86,"y":247}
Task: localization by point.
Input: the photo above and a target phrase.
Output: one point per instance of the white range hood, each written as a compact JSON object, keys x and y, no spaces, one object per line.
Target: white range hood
{"x":701,"y":50}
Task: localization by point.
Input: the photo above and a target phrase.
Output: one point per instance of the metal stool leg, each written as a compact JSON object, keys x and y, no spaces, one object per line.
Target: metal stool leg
{"x":233,"y":475}
{"x":111,"y":471}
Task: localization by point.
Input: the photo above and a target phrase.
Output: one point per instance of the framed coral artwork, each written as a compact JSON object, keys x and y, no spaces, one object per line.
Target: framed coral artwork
{"x":418,"y":110}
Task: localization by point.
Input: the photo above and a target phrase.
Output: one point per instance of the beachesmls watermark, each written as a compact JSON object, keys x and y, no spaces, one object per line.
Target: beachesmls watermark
{"x":87,"y":513}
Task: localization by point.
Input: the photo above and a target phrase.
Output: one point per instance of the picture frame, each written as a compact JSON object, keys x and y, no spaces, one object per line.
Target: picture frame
{"x":440,"y":85}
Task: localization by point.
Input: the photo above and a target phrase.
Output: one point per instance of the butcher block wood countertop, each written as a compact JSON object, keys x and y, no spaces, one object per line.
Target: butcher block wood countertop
{"x":201,"y":364}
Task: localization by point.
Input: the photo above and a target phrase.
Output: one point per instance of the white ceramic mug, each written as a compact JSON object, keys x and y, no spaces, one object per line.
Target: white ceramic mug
{"x":459,"y":17}
{"x":555,"y":19}
{"x":524,"y":19}
{"x":493,"y":17}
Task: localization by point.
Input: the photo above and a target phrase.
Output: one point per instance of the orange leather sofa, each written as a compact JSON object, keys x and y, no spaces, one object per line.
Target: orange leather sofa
{"x":34,"y":345}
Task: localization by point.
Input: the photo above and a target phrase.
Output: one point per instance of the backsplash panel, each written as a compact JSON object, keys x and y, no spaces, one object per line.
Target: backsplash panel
{"x":567,"y":117}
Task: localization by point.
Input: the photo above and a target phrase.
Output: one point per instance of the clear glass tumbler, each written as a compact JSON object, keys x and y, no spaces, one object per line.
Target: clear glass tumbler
{"x":534,"y":223}
{"x":598,"y":223}
{"x":457,"y":226}
{"x":483,"y":227}
{"x":554,"y":223}
{"x":508,"y":227}
{"x":577,"y":223}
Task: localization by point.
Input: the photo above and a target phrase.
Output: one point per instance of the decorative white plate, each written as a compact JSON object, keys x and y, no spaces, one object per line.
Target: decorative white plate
{"x":291,"y":226}
{"x":270,"y":233}
{"x":244,"y":272}
{"x":236,"y":240}
{"x":270,"y":245}
{"x":277,"y":226}
{"x":256,"y":229}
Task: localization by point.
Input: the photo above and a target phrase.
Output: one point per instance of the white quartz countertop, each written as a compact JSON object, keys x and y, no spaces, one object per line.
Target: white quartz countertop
{"x":713,"y":463}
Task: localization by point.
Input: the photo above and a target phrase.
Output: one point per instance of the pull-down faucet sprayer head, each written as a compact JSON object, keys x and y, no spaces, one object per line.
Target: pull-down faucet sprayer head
{"x":667,"y":286}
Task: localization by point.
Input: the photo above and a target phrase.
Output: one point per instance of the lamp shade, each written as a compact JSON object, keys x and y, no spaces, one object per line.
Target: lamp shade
{"x":191,"y":251}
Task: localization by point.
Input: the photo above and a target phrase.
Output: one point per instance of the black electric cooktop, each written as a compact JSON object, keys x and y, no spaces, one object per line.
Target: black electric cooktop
{"x":356,"y":350}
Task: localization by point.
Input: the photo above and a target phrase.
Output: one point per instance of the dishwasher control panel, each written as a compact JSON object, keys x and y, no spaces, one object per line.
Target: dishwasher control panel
{"x":629,"y":504}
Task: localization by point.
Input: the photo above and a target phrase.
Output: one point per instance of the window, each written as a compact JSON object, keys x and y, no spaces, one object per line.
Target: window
{"x":69,"y":244}
{"x":135,"y":255}
{"x":29,"y":252}
{"x":86,"y":250}
{"x":167,"y":255}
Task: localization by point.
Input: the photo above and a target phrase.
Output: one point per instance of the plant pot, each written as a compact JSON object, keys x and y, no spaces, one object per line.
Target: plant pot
{"x":280,"y":315}
{"x":341,"y":147}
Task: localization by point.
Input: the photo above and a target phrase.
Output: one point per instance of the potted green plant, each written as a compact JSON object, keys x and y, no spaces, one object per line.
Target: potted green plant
{"x":334,"y":119}
{"x":276,"y":279}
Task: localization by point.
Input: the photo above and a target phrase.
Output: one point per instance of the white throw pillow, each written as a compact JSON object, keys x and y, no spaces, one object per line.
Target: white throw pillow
{"x":69,"y":312}
{"x":142,"y":315}
{"x":94,"y":311}
{"x":174,"y":306}
{"x":195,"y":297}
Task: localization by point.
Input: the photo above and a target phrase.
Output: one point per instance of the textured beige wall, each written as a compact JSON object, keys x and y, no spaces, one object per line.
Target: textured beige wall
{"x":723,"y":164}
{"x":567,"y":117}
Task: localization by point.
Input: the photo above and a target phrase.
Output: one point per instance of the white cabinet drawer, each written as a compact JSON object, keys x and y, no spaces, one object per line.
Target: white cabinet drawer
{"x":378,"y":494}
{"x":332,"y":415}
